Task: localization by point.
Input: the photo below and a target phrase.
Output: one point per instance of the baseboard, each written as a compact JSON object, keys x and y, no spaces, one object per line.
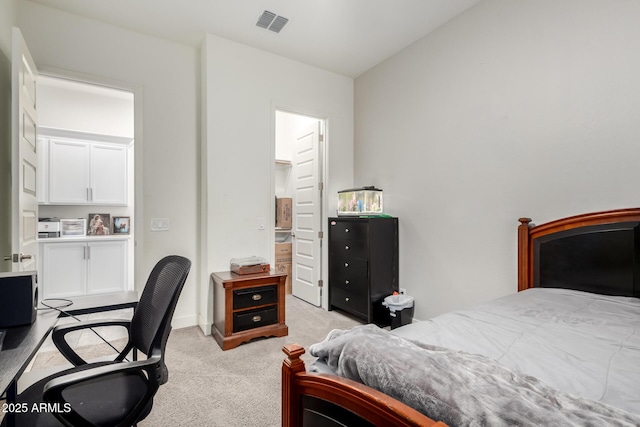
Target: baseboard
{"x":183,"y":321}
{"x":204,"y":326}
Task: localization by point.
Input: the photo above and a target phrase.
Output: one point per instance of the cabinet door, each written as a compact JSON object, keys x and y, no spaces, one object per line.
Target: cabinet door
{"x":107,"y":267}
{"x":64,"y":270}
{"x":109,"y":174}
{"x":68,"y":172}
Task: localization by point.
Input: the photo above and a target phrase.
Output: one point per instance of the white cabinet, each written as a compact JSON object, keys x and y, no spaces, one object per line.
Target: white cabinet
{"x":69,"y":178}
{"x":77,"y":268}
{"x":83,"y":171}
{"x":87,"y":173}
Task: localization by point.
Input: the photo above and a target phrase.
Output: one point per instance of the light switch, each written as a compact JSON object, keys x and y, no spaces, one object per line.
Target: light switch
{"x":160,"y":224}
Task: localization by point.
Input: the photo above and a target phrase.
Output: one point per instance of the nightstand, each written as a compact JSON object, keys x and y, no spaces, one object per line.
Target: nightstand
{"x":248,"y":306}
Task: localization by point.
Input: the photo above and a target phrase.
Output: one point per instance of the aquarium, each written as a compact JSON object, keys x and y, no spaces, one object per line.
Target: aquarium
{"x":360,"y":201}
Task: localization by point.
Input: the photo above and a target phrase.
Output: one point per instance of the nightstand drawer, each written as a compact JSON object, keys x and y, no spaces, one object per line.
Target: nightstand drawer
{"x":250,"y":319}
{"x":252,"y":297}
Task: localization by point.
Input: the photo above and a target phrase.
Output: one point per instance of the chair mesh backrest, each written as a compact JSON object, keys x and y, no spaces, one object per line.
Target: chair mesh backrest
{"x":154,"y":311}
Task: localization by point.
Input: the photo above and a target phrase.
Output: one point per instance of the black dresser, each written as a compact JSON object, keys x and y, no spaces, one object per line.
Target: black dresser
{"x":363,"y":266}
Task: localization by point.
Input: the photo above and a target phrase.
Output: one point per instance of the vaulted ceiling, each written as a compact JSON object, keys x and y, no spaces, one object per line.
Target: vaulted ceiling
{"x":347,"y":37}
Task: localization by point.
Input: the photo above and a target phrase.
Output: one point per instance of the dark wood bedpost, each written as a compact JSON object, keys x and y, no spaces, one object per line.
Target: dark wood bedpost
{"x":290,"y":367}
{"x":523,"y":254}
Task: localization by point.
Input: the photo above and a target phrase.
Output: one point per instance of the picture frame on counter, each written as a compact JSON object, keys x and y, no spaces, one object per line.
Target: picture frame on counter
{"x":73,"y":227}
{"x":121,"y":225}
{"x":99,"y":224}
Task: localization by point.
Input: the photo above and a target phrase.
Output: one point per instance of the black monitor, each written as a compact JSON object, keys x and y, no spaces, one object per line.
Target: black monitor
{"x":18,"y":298}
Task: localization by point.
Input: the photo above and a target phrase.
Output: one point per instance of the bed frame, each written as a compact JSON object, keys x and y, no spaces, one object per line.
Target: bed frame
{"x":320,"y":400}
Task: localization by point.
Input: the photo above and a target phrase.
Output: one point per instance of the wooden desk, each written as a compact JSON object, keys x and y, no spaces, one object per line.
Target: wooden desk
{"x":248,"y":306}
{"x":101,"y":303}
{"x":20,"y":344}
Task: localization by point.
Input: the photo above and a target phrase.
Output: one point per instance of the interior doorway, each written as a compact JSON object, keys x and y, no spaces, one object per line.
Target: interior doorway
{"x":298,"y":176}
{"x":86,"y":138}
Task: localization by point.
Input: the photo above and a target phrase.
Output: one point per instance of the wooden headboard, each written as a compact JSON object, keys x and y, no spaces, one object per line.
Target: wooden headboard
{"x":595,"y":252}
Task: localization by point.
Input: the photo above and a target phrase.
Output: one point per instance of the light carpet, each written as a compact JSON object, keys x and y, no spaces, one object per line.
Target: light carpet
{"x":238,"y":387}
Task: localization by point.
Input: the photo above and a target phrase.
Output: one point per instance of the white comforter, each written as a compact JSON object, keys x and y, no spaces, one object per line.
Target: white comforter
{"x":579,"y":343}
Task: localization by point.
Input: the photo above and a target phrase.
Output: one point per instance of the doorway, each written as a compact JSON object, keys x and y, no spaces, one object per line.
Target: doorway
{"x":298,"y":176}
{"x":86,"y":135}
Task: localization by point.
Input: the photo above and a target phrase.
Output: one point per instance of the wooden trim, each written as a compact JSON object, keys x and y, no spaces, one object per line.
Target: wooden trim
{"x":528,"y":233}
{"x":523,"y":253}
{"x":369,"y":404}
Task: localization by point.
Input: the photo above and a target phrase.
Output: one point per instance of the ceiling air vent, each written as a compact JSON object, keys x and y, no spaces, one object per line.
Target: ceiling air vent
{"x":278,"y":24}
{"x":271,"y":21}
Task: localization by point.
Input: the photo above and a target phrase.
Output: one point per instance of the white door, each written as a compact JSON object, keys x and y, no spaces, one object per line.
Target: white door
{"x":24,"y":158}
{"x":307,"y":215}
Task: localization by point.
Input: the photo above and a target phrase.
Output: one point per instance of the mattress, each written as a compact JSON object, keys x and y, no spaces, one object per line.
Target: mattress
{"x":580,"y":343}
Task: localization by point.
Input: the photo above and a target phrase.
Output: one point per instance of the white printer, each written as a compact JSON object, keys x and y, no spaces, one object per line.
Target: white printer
{"x":48,"y":227}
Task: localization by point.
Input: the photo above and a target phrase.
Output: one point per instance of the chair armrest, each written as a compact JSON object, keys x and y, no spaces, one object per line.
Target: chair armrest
{"x":60,"y":331}
{"x":53,"y":389}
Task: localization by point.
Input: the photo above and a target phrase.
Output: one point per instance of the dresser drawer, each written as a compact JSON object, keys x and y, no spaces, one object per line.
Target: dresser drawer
{"x":252,"y":297}
{"x":355,"y":286}
{"x":349,"y":248}
{"x":349,"y":301}
{"x":352,"y":269}
{"x":351,"y":230}
{"x":254,"y":318}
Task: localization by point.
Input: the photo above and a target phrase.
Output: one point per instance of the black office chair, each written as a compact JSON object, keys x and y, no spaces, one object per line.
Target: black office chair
{"x":118,"y":392}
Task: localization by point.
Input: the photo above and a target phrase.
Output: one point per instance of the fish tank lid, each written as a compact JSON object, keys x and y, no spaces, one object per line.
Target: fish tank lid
{"x":366,"y":188}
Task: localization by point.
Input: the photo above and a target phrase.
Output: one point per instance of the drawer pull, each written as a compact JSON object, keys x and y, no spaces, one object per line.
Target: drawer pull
{"x":346,"y":282}
{"x":346,"y":230}
{"x":346,"y":248}
{"x":256,"y":319}
{"x":346,"y":264}
{"x":347,"y":299}
{"x":256,"y":297}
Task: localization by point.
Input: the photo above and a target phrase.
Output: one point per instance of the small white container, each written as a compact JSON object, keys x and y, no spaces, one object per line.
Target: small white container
{"x":75,"y":227}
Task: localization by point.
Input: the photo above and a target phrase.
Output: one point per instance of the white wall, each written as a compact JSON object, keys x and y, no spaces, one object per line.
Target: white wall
{"x":515,"y":108}
{"x":7,"y":21}
{"x":166,"y":76}
{"x":73,"y":105}
{"x":244,"y":87}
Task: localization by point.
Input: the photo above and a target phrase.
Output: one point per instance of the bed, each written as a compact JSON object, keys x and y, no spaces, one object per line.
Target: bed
{"x":564,"y":350}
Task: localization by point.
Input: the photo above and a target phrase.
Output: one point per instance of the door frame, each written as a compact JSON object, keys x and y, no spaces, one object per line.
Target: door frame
{"x":139,"y":275}
{"x":323,"y":155}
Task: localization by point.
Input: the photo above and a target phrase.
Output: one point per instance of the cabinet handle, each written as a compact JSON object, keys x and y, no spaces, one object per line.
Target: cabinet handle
{"x":346,"y":282}
{"x":346,"y":264}
{"x":347,"y":299}
{"x":256,"y":319}
{"x":346,"y":248}
{"x":256,"y":297}
{"x":346,"y":230}
{"x":88,"y":194}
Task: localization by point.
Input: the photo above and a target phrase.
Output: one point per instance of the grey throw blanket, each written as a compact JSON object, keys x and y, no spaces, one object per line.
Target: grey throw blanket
{"x":458,"y":388}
